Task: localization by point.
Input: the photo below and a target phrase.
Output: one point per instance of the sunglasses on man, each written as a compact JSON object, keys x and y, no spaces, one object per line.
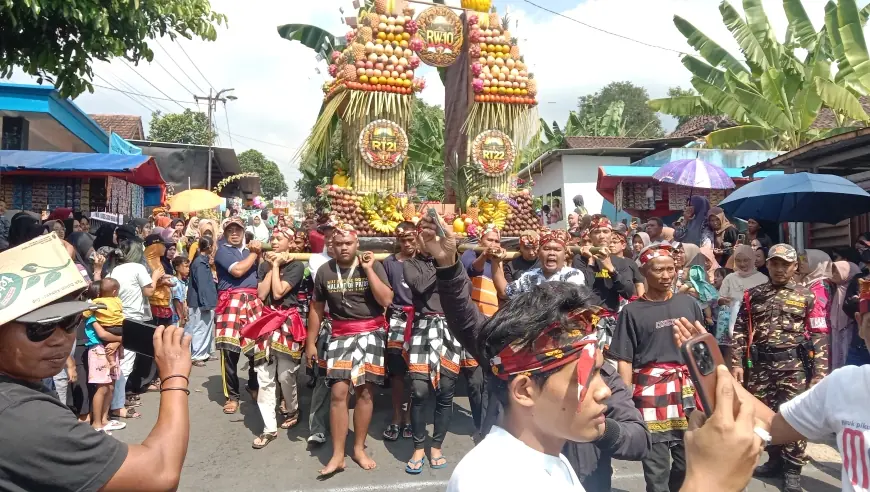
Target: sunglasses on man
{"x":41,"y":330}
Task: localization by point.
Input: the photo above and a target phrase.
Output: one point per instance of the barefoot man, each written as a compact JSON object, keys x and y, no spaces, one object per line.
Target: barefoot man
{"x":357,"y":292}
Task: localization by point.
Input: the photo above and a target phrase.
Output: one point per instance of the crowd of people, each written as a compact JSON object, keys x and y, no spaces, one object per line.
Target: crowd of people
{"x":589,"y":314}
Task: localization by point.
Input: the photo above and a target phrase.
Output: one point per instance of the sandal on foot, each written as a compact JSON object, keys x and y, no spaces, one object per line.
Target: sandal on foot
{"x":290,"y":421}
{"x":415,"y":471}
{"x":231,"y":407}
{"x":263,"y":439}
{"x":198,"y":363}
{"x":407,"y":431}
{"x":127,"y":413}
{"x":391,"y":433}
{"x":438,"y":467}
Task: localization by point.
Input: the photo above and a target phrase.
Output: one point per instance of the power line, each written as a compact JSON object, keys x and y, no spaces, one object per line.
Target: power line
{"x":129,"y":87}
{"x":604,"y":30}
{"x":179,"y":67}
{"x":260,"y":141}
{"x":123,"y":92}
{"x":197,"y":68}
{"x":152,"y":85}
{"x":173,"y":77}
{"x":135,"y":93}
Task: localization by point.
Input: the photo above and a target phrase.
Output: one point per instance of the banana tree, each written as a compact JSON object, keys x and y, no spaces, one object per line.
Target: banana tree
{"x":320,"y":40}
{"x":774,"y":95}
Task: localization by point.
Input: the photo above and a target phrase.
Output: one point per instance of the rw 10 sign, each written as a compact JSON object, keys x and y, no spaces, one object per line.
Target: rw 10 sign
{"x":442,"y":34}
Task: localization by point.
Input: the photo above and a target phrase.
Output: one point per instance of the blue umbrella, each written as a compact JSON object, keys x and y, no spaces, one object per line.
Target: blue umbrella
{"x":800,"y":197}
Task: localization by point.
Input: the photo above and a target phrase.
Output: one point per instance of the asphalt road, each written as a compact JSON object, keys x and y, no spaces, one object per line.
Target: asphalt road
{"x":220,"y":457}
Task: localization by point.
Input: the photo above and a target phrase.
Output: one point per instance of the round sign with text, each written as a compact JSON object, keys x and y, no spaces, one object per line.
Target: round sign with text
{"x":383,"y":144}
{"x":442,"y":34}
{"x":494,"y":152}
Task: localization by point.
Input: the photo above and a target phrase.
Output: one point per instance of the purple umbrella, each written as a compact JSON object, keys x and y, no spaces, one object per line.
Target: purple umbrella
{"x":694,"y":173}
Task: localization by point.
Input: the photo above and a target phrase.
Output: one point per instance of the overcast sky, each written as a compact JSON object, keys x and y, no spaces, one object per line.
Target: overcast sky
{"x":279,"y":90}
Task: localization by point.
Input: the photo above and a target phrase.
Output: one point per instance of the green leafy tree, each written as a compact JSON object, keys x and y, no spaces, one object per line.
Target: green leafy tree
{"x":680,"y":92}
{"x":271,"y":178}
{"x":189,"y":127}
{"x":425,"y":169}
{"x":773,"y":94}
{"x":640,"y":119}
{"x":59,"y":40}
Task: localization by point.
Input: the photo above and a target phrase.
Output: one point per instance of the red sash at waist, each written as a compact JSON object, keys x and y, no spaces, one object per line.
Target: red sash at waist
{"x":409,"y":322}
{"x":606,"y":313}
{"x":273,"y":320}
{"x":225,"y":296}
{"x":343,"y":328}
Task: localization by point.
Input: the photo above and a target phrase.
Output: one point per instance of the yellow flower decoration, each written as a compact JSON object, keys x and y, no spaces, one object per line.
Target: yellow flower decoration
{"x":557,"y":353}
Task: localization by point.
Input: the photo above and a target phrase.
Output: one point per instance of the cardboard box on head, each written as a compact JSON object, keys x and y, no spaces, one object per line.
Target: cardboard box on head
{"x":34,"y":275}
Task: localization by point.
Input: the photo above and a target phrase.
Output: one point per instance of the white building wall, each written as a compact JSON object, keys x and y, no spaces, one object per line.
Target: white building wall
{"x":575,"y":175}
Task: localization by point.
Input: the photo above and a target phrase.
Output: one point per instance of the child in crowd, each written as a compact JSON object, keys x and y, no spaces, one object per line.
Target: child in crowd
{"x":103,"y":341}
{"x":181,"y":265}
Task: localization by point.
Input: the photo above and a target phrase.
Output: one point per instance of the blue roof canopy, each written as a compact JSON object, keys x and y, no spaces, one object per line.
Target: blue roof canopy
{"x":138,"y":169}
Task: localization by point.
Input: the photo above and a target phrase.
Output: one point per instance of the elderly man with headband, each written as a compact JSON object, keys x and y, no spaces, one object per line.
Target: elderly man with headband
{"x":357,"y":291}
{"x":653,"y":367}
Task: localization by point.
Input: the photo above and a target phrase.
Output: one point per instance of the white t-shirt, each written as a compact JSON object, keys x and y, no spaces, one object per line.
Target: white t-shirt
{"x":132,"y":277}
{"x":503,"y":462}
{"x":839,"y":404}
{"x":315,"y":262}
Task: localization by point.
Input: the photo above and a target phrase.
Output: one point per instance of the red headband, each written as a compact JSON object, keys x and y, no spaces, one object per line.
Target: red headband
{"x":600,"y":223}
{"x":400,"y":232}
{"x":654,"y":251}
{"x":553,"y":349}
{"x":556,"y":236}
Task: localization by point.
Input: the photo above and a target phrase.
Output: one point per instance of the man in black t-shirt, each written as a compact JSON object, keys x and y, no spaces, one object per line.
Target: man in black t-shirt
{"x":618,"y":243}
{"x":610,"y":275}
{"x":651,"y":364}
{"x":527,"y":259}
{"x":400,"y":316}
{"x":45,"y":446}
{"x":357,"y":292}
{"x":278,"y":335}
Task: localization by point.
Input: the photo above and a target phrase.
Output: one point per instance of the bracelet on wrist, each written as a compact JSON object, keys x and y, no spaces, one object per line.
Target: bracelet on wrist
{"x":167,"y":378}
{"x":186,"y":391}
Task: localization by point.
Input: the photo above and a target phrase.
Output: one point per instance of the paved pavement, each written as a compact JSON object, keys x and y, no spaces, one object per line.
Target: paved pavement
{"x":220,"y":457}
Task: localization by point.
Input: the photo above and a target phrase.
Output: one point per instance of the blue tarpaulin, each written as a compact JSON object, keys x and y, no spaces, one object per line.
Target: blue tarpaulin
{"x":139,"y":169}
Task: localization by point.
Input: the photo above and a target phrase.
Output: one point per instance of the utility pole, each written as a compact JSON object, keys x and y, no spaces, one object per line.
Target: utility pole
{"x":212,"y":101}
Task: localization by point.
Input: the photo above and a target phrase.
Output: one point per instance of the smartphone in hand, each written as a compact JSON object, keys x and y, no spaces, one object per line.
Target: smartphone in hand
{"x":439,"y":231}
{"x":702,"y":356}
{"x":138,"y":337}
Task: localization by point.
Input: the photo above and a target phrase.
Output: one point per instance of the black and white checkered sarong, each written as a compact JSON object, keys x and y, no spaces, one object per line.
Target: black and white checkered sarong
{"x":358,"y":358}
{"x":398,"y":320}
{"x":432,"y":349}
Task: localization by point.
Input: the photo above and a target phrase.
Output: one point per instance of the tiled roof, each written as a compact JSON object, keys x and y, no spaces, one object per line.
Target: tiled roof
{"x":127,"y":126}
{"x":599,"y":142}
{"x":700,"y":126}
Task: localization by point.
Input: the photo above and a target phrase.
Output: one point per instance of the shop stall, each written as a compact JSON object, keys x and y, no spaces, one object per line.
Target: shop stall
{"x":112,"y":183}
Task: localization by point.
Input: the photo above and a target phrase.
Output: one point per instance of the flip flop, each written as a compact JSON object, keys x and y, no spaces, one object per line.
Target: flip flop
{"x":231,"y":407}
{"x":265,"y":439}
{"x":407,"y":431}
{"x":438,"y":467}
{"x":415,"y":471}
{"x":114,"y":425}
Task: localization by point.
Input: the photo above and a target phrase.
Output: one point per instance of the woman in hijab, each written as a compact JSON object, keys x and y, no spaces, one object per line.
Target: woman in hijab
{"x":177,"y":227}
{"x":639,"y":241}
{"x":205,"y":226}
{"x":105,"y":237}
{"x":820,"y":282}
{"x":55,"y":226}
{"x":166,"y":259}
{"x":694,"y":219}
{"x":189,"y":235}
{"x":22,"y":228}
{"x":724,"y":234}
{"x":745,"y":276}
{"x":843,"y":272}
{"x":84,"y":248}
{"x":258,"y":229}
{"x":60,"y":214}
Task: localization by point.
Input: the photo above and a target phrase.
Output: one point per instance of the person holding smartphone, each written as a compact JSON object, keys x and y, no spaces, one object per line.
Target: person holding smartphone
{"x":52,"y":449}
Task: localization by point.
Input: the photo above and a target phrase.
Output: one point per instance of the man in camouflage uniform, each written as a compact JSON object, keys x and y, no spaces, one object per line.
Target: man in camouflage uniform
{"x":772,"y":334}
